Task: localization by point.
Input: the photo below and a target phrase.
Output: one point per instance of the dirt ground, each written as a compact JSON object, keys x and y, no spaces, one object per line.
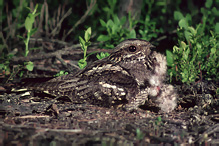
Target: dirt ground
{"x":28,"y":118}
{"x":35,"y":119}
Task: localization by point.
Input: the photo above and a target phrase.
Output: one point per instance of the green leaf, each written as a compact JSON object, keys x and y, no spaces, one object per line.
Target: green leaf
{"x":183,"y":45}
{"x":192,"y":30}
{"x":103,"y":23}
{"x":188,"y":17}
{"x":183,"y":23}
{"x":193,"y":58}
{"x":21,"y":73}
{"x":204,"y":11}
{"x":82,"y":63}
{"x":208,"y":3}
{"x":217,"y":28}
{"x":159,"y":118}
{"x":170,"y":59}
{"x":107,"y":54}
{"x":175,"y":49}
{"x":199,"y":46}
{"x":110,"y":46}
{"x":186,"y":54}
{"x":61,"y":73}
{"x":116,"y":20}
{"x":110,"y":23}
{"x":102,"y":55}
{"x":82,"y":43}
{"x":87,"y":34}
{"x":1,"y":3}
{"x":139,"y":134}
{"x":36,"y":14}
{"x":29,"y":9}
{"x":132,"y":34}
{"x":28,"y":24}
{"x":106,"y":9}
{"x":30,"y":66}
{"x":10,"y":55}
{"x":2,"y":66}
{"x":178,"y":15}
{"x":213,"y":50}
{"x":33,"y":31}
{"x":113,"y":2}
{"x":215,"y":11}
{"x":184,"y":75}
{"x":188,"y":35}
{"x":98,"y":56}
{"x":114,"y":29}
{"x":123,"y":20}
{"x":35,"y":9}
{"x":103,"y":38}
{"x":20,"y":37}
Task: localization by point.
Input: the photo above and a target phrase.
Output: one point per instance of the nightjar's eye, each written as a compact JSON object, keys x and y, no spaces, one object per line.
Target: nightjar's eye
{"x":132,"y":48}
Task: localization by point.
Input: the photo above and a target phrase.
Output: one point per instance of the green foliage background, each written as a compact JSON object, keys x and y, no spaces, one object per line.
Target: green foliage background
{"x":189,"y":30}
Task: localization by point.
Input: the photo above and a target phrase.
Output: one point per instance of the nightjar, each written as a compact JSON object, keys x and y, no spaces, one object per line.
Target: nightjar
{"x":126,"y":78}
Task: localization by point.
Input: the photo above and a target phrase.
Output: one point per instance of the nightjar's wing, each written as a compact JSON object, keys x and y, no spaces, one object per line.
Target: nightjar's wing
{"x":103,"y":83}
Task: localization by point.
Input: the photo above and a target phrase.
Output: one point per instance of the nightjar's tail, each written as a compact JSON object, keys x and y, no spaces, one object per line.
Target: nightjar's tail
{"x":61,"y":86}
{"x":43,"y":84}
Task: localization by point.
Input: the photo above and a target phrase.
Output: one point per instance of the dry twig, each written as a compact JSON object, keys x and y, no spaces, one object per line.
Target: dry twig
{"x":89,"y":8}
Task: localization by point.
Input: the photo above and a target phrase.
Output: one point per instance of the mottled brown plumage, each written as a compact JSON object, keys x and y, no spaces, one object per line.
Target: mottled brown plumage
{"x":131,"y":73}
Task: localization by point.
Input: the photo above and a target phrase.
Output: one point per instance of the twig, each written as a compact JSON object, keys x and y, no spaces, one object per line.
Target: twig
{"x":53,"y":33}
{"x":46,"y":18}
{"x":210,"y":130}
{"x":63,"y":62}
{"x":40,"y":24}
{"x":90,"y":7}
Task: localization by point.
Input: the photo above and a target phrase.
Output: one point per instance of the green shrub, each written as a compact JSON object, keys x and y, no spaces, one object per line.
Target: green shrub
{"x":5,"y":66}
{"x":82,"y":63}
{"x":116,"y":32}
{"x":196,"y":56}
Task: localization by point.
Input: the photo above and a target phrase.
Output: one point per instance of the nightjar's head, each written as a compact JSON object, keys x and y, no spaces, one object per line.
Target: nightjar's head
{"x":136,"y":57}
{"x":131,"y":51}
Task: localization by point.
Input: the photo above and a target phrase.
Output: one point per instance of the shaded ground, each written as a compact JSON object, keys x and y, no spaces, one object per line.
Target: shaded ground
{"x":34,"y":118}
